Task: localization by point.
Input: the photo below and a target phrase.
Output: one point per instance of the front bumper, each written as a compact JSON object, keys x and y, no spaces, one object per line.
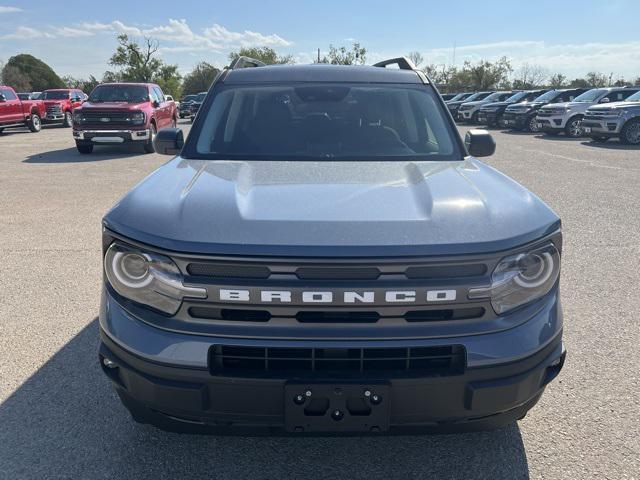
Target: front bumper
{"x":53,"y":118}
{"x":466,"y":115}
{"x":604,"y":126}
{"x":552,"y":123}
{"x":488,"y":118}
{"x":111,"y":136}
{"x":516,"y":121}
{"x":165,"y":378}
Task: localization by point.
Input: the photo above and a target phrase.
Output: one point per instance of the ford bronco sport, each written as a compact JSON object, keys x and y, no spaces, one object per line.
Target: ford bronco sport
{"x":325,"y":254}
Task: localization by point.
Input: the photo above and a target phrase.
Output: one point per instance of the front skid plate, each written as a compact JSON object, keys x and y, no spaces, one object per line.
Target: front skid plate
{"x":336,"y":407}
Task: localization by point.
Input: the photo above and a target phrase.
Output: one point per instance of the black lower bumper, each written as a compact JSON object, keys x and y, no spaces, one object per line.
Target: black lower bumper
{"x":516,"y":121}
{"x":194,"y":400}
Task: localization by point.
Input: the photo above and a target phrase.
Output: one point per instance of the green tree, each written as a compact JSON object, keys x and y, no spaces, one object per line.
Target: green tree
{"x":558,"y":80}
{"x":264,"y":54}
{"x":357,"y":55}
{"x":199,"y":79}
{"x":483,"y":75}
{"x":16,"y":79}
{"x":579,"y":83}
{"x":84,"y":85}
{"x":138,"y":62}
{"x":31,"y":70}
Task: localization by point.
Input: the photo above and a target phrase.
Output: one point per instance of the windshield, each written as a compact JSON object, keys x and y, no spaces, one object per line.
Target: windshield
{"x":634,"y":98}
{"x":517,"y":97}
{"x":460,"y":96}
{"x":119,"y":93}
{"x":200,"y":97}
{"x":477,"y":96}
{"x":23,"y":96}
{"x":494,"y":97}
{"x":325,"y":121}
{"x":189,"y":98}
{"x":54,"y":95}
{"x":591,"y":95}
{"x":546,"y":97}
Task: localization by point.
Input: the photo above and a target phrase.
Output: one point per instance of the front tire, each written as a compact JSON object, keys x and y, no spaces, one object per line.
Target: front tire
{"x":84,"y":148}
{"x":148,"y":145}
{"x":630,"y":133}
{"x":532,"y":125}
{"x":68,"y":120}
{"x":34,"y":124}
{"x":573,"y":129}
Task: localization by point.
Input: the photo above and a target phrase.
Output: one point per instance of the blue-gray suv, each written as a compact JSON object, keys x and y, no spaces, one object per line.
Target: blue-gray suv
{"x":325,"y":254}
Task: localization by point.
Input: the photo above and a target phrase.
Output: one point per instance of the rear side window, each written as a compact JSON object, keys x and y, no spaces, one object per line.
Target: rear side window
{"x":325,"y":121}
{"x":8,"y":94}
{"x":620,"y":95}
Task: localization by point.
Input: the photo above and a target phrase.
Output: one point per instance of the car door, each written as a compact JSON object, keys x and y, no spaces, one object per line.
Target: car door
{"x":11,"y":108}
{"x":164,"y":110}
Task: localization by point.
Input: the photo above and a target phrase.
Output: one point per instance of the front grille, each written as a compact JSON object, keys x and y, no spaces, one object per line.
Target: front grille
{"x":107,"y":119}
{"x":230,"y":270}
{"x":509,"y":116}
{"x":327,"y":316}
{"x":597,"y":114}
{"x":54,"y":110}
{"x":548,"y":113}
{"x":337,"y":362}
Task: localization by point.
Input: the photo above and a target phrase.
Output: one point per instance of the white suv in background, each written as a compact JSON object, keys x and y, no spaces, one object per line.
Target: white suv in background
{"x":567,"y":117}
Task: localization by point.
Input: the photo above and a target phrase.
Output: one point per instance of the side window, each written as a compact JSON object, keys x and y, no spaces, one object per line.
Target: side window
{"x":153,"y":96}
{"x":159,"y":94}
{"x":620,"y":95}
{"x":569,"y":96}
{"x":8,"y":94}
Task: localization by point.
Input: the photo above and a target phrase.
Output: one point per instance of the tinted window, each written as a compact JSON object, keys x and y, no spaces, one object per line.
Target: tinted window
{"x":159,"y":94}
{"x":119,"y":93}
{"x":547,"y":97}
{"x":590,"y":95}
{"x":54,"y":95}
{"x":634,"y":98}
{"x":325,"y":121}
{"x":8,"y":94}
{"x":620,"y":95}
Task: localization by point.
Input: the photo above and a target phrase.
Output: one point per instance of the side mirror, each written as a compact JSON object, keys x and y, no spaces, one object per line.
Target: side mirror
{"x":168,"y":141}
{"x":605,"y":100}
{"x":156,"y":104}
{"x":479,"y":143}
{"x":2,"y":98}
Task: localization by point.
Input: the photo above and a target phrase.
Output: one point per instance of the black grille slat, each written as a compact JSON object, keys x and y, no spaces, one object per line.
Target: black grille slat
{"x":430,"y":361}
{"x":338,"y":273}
{"x":223,"y":270}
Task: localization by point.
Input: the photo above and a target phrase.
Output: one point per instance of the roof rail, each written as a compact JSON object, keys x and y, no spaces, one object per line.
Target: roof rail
{"x":403,"y":63}
{"x":245,"y":62}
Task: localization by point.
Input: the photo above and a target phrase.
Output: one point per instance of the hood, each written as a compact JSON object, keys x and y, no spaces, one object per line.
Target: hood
{"x":474,"y":103}
{"x":330,"y":208}
{"x":562,"y":105}
{"x":497,"y":104}
{"x":89,"y":106}
{"x":615,"y":106}
{"x":55,"y":102}
{"x":528,"y":104}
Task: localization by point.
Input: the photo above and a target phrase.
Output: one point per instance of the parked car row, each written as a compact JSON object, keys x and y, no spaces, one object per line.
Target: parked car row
{"x":599,"y":113}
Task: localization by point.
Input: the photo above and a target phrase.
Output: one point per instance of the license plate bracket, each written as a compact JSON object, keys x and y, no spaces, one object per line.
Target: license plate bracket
{"x":336,"y":407}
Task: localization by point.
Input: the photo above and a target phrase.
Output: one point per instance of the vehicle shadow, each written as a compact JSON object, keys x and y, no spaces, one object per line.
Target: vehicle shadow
{"x":66,"y":422}
{"x":611,"y":145}
{"x":516,"y":132}
{"x":71,"y":155}
{"x":557,"y":138}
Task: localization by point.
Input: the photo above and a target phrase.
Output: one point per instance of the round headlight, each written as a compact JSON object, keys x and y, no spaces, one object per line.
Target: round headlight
{"x":131,"y":269}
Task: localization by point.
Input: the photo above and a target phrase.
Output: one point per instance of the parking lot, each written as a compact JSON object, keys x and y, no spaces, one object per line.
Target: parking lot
{"x":60,"y":418}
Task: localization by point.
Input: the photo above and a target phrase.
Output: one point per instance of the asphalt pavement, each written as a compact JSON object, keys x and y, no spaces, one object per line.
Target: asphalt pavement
{"x":60,"y":419}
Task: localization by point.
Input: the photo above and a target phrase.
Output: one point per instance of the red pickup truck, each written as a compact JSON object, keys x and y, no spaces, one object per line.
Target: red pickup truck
{"x":118,"y":113}
{"x":17,"y":113}
{"x":60,"y":104}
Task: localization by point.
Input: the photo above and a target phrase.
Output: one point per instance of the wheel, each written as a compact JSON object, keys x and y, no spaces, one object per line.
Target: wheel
{"x":68,"y":120}
{"x":34,"y":123}
{"x":532,"y":125}
{"x":474,"y":118}
{"x":600,"y":139}
{"x":630,"y":133}
{"x":84,"y":148}
{"x":573,"y":129}
{"x":148,"y":145}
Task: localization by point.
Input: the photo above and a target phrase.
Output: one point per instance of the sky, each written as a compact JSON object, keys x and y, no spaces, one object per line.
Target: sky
{"x":565,"y":36}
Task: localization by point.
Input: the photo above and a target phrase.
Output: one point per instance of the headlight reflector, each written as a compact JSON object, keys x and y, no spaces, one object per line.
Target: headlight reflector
{"x":138,"y":118}
{"x":147,"y":278}
{"x":77,"y":118}
{"x":521,"y":278}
